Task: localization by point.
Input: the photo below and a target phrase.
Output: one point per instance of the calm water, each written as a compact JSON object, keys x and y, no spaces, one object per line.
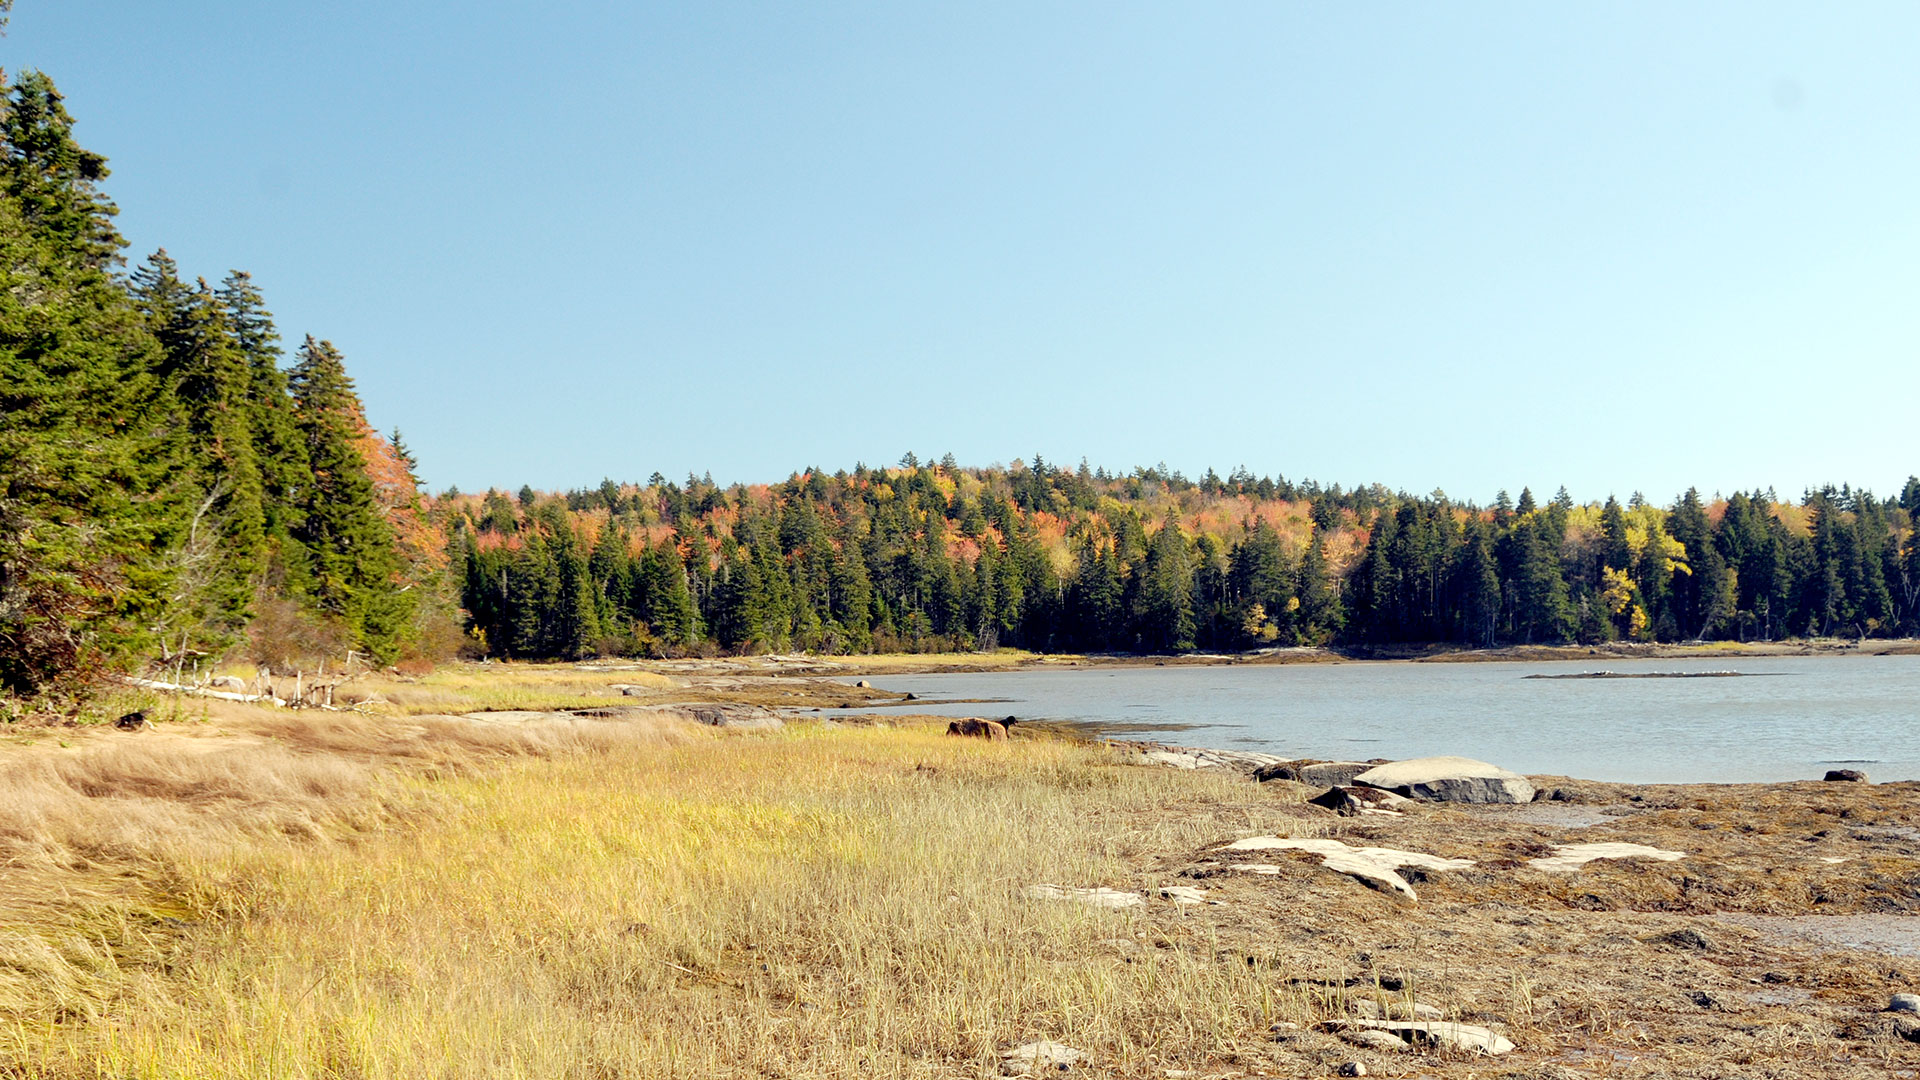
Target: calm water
{"x":1806,"y":715}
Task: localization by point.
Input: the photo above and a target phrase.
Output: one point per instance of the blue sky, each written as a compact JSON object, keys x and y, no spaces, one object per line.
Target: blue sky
{"x":1620,"y":247}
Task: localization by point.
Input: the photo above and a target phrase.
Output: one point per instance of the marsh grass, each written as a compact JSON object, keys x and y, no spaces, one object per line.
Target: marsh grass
{"x":815,"y":903}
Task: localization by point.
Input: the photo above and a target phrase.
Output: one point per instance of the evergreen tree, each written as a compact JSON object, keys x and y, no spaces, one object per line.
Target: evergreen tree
{"x":220,"y":558}
{"x":1163,"y":611}
{"x":87,"y":520}
{"x":355,"y":565}
{"x":278,"y":450}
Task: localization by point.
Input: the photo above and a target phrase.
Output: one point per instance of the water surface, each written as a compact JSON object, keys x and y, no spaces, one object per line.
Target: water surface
{"x":1812,"y":714}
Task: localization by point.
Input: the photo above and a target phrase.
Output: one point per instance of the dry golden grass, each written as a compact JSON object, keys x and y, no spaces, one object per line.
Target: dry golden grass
{"x":816,"y":903}
{"x":331,"y":895}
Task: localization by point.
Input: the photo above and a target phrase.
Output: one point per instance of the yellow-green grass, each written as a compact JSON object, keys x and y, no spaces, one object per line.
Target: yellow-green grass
{"x":819,"y":902}
{"x":483,"y":688}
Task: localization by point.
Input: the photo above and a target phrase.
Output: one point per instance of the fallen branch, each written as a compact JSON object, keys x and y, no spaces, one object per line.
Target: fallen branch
{"x":197,"y":691}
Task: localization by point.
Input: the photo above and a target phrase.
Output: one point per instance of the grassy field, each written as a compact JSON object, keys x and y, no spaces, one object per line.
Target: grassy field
{"x":246,"y":893}
{"x":822,"y":902}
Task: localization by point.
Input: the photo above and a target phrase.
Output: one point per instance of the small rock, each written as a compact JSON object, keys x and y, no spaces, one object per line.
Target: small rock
{"x":1096,"y":897}
{"x":1384,"y":1041}
{"x":1687,"y":938}
{"x":1906,"y":1003}
{"x":1846,"y":776}
{"x":1351,"y":1068}
{"x":1038,"y":1058}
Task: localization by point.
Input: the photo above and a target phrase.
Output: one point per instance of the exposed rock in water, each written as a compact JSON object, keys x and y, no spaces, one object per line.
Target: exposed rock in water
{"x":1449,"y":779}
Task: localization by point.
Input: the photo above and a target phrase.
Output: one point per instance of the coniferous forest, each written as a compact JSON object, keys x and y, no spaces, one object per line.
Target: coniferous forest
{"x":171,"y":491}
{"x":175,"y":487}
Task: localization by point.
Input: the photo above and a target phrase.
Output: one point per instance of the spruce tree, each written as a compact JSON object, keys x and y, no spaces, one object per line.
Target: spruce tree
{"x":220,"y":557}
{"x":355,"y":566}
{"x":86,"y":448}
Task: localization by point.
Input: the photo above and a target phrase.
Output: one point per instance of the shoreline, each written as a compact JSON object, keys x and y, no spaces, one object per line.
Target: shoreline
{"x":975,"y":896}
{"x":949,"y":663}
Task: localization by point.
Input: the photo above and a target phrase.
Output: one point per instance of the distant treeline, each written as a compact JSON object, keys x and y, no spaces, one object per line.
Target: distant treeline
{"x":168,"y":493}
{"x":938,"y":557}
{"x":171,"y":495}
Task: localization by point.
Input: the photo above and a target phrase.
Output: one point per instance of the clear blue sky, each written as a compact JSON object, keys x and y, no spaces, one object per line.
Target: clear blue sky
{"x":1463,"y":246}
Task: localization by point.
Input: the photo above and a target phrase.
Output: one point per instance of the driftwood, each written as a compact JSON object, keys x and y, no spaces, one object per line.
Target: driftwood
{"x":197,"y":691}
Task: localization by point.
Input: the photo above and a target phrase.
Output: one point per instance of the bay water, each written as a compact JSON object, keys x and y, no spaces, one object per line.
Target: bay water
{"x":1786,"y":718}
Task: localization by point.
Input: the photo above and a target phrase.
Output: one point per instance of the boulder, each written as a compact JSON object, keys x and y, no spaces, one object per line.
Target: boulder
{"x":1355,"y":801}
{"x":992,"y":730}
{"x":1846,"y":776}
{"x":1906,"y":1003}
{"x":862,"y":684}
{"x":1449,"y":779}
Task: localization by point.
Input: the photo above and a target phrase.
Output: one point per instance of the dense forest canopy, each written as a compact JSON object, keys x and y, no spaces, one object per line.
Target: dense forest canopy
{"x":174,"y":491}
{"x":938,"y":557}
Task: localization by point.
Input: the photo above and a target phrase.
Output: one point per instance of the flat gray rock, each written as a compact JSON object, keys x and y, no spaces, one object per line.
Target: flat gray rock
{"x":1468,"y":1037}
{"x":1041,"y":1058}
{"x":1449,"y":779}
